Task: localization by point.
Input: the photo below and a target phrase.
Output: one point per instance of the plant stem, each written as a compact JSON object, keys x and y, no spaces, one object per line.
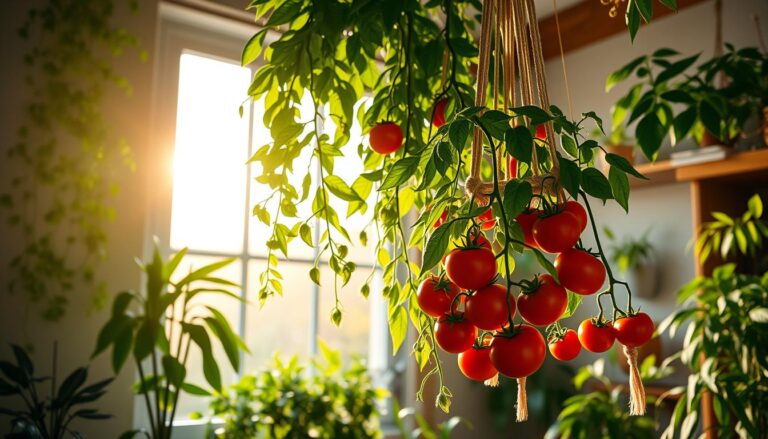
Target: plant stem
{"x":146,"y":398}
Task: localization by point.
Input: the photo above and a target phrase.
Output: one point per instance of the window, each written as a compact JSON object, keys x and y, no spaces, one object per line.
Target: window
{"x":207,"y":204}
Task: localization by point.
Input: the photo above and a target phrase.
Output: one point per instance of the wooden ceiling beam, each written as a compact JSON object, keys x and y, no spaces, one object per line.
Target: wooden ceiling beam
{"x":587,"y":23}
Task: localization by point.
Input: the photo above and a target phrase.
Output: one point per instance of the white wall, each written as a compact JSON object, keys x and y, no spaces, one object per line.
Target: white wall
{"x":76,"y":332}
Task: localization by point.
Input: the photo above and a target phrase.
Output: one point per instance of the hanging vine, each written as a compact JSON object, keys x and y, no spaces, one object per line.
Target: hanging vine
{"x":61,"y":171}
{"x":414,"y":60}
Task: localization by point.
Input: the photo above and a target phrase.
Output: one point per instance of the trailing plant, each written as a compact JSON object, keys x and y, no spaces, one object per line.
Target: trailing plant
{"x":47,"y":417}
{"x":336,"y":52}
{"x":600,"y":413}
{"x":636,"y":11}
{"x":726,"y":349}
{"x":61,"y":170}
{"x":629,"y":252}
{"x":668,"y":98}
{"x":288,"y":400}
{"x":158,"y":327}
{"x":727,"y":236}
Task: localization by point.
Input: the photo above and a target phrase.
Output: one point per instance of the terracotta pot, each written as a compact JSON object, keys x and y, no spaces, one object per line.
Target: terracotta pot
{"x":709,"y":139}
{"x":626,"y":151}
{"x":652,"y":347}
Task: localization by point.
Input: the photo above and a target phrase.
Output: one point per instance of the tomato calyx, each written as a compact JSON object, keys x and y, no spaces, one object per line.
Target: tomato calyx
{"x":528,"y":286}
{"x":442,"y":283}
{"x":508,"y":331}
{"x":600,"y":322}
{"x":453,"y":317}
{"x":473,"y":239}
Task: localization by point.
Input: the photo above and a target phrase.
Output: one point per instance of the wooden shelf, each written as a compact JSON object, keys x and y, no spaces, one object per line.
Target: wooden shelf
{"x":740,"y":166}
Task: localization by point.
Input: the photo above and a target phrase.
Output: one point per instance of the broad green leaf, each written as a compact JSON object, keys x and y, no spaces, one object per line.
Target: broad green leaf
{"x":286,"y":12}
{"x":338,"y":187}
{"x":650,"y":133}
{"x":710,"y":118}
{"x":682,"y":124}
{"x":569,"y":145}
{"x":545,"y":263}
{"x":398,"y":327}
{"x":675,"y":69}
{"x":519,"y":143}
{"x":646,"y":9}
{"x":594,"y":183}
{"x":252,"y":49}
{"x":174,"y":370}
{"x":517,"y":196}
{"x":622,"y":163}
{"x":400,"y":172}
{"x":755,"y":205}
{"x":145,"y":340}
{"x":619,"y":187}
{"x":199,"y":336}
{"x":624,"y":72}
{"x":458,"y":133}
{"x":570,"y":176}
{"x":535,"y":114}
{"x":632,"y":18}
{"x":574,"y":300}
{"x":110,"y":331}
{"x":122,"y":348}
{"x":495,"y":122}
{"x":436,"y":245}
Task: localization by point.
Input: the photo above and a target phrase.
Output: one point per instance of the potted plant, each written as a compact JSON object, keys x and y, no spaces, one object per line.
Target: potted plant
{"x":600,"y":413}
{"x":710,"y":104}
{"x":636,"y":260}
{"x":47,"y":417}
{"x":726,"y":343}
{"x":284,"y":400}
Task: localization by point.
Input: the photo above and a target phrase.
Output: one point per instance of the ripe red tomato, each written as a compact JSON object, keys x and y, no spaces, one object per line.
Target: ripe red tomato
{"x":596,"y":338}
{"x":487,"y":308}
{"x":556,"y":233}
{"x":486,"y":219}
{"x":441,"y":220}
{"x":577,"y":210}
{"x":476,"y":364}
{"x":545,"y":305}
{"x":454,"y":334}
{"x":438,"y":119}
{"x":386,"y":137}
{"x":541,"y":132}
{"x":635,"y":330}
{"x":471,"y":268}
{"x":526,"y":220}
{"x":481,"y":240}
{"x":435,"y":296}
{"x":579,"y":271}
{"x":566,"y":348}
{"x":512,"y":167}
{"x":521,"y":354}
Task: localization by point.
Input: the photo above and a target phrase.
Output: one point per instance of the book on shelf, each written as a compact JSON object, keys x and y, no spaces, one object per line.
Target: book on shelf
{"x":700,"y":155}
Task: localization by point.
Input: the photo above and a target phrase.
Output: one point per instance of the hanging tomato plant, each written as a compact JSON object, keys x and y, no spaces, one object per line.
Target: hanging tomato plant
{"x":432,"y":144}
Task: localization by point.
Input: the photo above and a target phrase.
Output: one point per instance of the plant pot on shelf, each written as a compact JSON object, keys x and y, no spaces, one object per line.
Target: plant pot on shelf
{"x":643,"y":278}
{"x":626,"y":151}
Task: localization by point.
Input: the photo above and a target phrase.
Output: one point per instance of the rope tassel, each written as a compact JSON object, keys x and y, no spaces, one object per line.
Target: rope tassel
{"x":636,"y":389}
{"x":522,"y":401}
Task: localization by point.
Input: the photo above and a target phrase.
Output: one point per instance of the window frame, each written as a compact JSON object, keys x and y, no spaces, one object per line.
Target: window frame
{"x":184,"y":30}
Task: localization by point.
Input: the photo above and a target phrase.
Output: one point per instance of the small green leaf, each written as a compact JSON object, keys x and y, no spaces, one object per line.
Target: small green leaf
{"x":619,"y":187}
{"x":252,"y":50}
{"x":458,"y":133}
{"x":570,"y":177}
{"x":594,"y":183}
{"x":285,"y":13}
{"x":682,"y":123}
{"x":650,"y":133}
{"x":306,"y":234}
{"x":174,"y":371}
{"x":519,"y":143}
{"x":624,"y":72}
{"x":436,"y":246}
{"x":755,"y":205}
{"x":400,"y":172}
{"x":545,"y":264}
{"x":517,"y":197}
{"x":398,"y":327}
{"x":632,"y":18}
{"x":569,"y":145}
{"x":574,"y":300}
{"x":622,"y":163}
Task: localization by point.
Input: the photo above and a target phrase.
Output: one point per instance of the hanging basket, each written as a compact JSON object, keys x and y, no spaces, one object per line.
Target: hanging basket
{"x":511,"y":31}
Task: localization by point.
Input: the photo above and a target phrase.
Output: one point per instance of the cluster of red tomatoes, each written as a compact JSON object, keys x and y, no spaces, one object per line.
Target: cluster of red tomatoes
{"x":476,"y":323}
{"x":387,"y":137}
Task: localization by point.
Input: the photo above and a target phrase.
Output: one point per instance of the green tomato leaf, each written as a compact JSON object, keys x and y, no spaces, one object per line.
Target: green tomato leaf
{"x":622,"y":163}
{"x":436,"y":245}
{"x":624,"y":72}
{"x":545,"y":263}
{"x":517,"y":197}
{"x":400,"y":172}
{"x":519,"y":143}
{"x":570,"y":177}
{"x":594,"y":183}
{"x":619,"y":186}
{"x":458,"y":133}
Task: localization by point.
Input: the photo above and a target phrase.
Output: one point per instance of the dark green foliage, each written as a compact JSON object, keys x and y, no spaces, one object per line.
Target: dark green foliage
{"x":61,"y":170}
{"x":47,"y":417}
{"x":285,"y":400}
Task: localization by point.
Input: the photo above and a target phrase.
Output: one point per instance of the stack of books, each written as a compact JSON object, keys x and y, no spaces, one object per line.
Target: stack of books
{"x":700,"y":155}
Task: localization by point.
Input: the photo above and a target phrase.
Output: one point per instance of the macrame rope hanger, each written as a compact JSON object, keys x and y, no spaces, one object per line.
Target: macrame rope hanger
{"x":510,"y":30}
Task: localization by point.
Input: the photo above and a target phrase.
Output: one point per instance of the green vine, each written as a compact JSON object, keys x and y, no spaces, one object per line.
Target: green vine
{"x":61,"y":170}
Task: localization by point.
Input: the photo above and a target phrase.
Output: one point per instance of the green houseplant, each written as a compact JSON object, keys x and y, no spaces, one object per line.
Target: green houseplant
{"x":600,"y":413}
{"x":726,"y":340}
{"x":710,"y":104}
{"x":47,"y":417}
{"x":157,"y":328}
{"x":288,"y":400}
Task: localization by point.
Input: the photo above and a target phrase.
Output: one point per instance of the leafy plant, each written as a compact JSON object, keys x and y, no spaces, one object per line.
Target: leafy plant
{"x":285,"y":400}
{"x":727,"y":236}
{"x":443,"y":430}
{"x":60,"y":176}
{"x":161,"y":328}
{"x":336,"y":52}
{"x":629,"y":252}
{"x":47,"y":417}
{"x":601,"y":413}
{"x":726,"y":349}
{"x":617,"y":137}
{"x":667,"y":99}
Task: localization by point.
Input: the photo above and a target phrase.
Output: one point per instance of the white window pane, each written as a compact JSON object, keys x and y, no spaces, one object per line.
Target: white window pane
{"x":282,"y":324}
{"x":209,"y":172}
{"x":228,"y":306}
{"x":352,"y":336}
{"x":259,"y":232}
